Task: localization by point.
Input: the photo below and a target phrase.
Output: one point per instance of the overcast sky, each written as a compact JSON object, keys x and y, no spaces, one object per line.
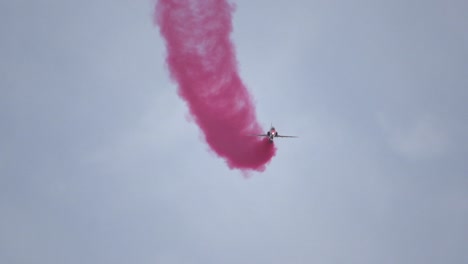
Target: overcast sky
{"x":100,"y":164}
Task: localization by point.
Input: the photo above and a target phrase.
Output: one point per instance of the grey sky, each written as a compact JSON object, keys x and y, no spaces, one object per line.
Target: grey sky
{"x":98,"y":163}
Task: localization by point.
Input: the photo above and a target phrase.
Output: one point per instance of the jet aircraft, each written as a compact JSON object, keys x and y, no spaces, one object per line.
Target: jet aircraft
{"x":272,"y":133}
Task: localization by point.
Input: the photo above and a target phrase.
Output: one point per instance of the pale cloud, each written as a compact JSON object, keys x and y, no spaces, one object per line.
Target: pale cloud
{"x":423,"y":137}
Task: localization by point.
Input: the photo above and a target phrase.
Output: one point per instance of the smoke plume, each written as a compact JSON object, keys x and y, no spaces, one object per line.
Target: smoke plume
{"x":201,"y":59}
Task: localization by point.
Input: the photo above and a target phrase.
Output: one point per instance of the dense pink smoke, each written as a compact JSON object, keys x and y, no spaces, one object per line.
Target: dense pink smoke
{"x":201,"y":59}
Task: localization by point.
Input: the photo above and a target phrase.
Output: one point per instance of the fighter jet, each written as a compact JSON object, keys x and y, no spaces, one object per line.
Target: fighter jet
{"x":272,"y":133}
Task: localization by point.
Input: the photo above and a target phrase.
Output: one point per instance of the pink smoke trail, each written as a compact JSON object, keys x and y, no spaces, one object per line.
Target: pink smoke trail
{"x":201,"y":59}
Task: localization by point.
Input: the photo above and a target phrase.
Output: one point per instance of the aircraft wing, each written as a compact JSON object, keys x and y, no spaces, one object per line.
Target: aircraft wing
{"x":287,"y":136}
{"x":262,"y":135}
